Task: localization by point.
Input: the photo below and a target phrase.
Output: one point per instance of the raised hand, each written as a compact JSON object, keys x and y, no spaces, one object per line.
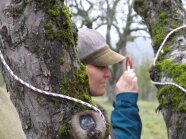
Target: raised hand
{"x":128,"y":80}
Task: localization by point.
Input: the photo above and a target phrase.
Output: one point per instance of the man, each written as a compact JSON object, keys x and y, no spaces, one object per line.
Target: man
{"x":97,"y":56}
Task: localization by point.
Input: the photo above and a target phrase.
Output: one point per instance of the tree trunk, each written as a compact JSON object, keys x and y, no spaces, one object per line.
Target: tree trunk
{"x":162,"y":16}
{"x":38,"y":42}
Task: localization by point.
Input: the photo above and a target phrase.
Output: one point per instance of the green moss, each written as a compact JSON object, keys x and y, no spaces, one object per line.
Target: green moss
{"x":175,"y":15}
{"x":64,"y":85}
{"x":54,"y":11}
{"x":170,"y":95}
{"x":173,"y":26}
{"x":70,"y":84}
{"x":66,"y":35}
{"x":166,"y":49}
{"x":57,"y":104}
{"x":171,"y":69}
{"x":139,"y":2}
{"x":158,"y":34}
{"x":61,"y":60}
{"x":142,"y":11}
{"x":62,"y":18}
{"x":163,"y":15}
{"x":75,"y":39}
{"x":64,"y":129}
{"x":107,"y":132}
{"x":162,"y":28}
{"x":50,"y":34}
{"x":48,"y":26}
{"x":68,"y":15}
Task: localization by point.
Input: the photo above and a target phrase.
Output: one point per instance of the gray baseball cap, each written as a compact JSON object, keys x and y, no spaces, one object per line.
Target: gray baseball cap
{"x":93,"y":49}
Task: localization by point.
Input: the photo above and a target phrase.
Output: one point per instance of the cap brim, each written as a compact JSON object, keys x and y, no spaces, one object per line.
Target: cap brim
{"x":108,"y":58}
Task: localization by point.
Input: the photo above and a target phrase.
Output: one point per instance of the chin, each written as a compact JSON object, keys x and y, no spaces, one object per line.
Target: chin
{"x":97,"y":93}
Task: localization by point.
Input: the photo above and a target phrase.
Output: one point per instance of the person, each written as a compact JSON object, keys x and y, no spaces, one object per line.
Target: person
{"x":10,"y":124}
{"x":97,"y":56}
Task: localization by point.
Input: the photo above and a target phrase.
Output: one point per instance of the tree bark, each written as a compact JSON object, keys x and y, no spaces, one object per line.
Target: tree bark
{"x":38,"y":42}
{"x":162,"y":16}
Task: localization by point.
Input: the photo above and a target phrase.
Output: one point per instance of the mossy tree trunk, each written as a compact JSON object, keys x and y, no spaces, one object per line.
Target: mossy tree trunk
{"x":38,"y":42}
{"x":162,"y":16}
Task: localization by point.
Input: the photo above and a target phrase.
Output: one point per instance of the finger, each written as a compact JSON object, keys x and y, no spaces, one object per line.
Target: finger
{"x":128,"y":63}
{"x":128,"y":79}
{"x":135,"y":79}
{"x":130,"y":74}
{"x":131,"y":71}
{"x":131,"y":77}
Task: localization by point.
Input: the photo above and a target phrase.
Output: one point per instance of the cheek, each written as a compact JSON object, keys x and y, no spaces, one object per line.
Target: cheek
{"x":97,"y":89}
{"x":95,"y":82}
{"x":93,"y":77}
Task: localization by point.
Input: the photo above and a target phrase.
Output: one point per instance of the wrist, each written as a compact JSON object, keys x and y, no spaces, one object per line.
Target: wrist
{"x":126,"y":98}
{"x":125,"y":92}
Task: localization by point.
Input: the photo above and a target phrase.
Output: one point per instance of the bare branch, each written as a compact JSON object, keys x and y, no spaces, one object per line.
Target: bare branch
{"x":94,"y":19}
{"x":81,"y":4}
{"x":143,"y":36}
{"x":91,"y":5}
{"x":99,"y":25}
{"x":115,"y":5}
{"x":108,"y":5}
{"x":89,"y":2}
{"x":76,"y":2}
{"x":118,"y":30}
{"x":137,"y":29}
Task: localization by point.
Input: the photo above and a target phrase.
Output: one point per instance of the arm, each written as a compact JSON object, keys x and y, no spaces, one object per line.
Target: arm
{"x":125,"y":120}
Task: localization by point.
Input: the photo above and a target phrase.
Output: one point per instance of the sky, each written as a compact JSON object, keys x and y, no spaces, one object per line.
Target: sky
{"x":184,"y":3}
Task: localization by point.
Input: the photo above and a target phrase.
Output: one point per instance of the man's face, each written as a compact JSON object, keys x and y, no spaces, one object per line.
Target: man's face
{"x":97,"y":79}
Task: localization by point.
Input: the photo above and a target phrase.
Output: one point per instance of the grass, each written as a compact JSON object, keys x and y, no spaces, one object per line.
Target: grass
{"x":153,"y":123}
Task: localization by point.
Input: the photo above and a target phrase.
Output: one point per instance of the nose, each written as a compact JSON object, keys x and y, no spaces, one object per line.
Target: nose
{"x":107,"y":72}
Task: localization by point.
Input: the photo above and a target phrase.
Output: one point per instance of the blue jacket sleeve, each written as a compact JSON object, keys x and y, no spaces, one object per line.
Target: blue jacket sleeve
{"x":125,"y":119}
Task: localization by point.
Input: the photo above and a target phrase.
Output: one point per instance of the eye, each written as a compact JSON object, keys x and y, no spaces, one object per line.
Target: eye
{"x":102,"y":67}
